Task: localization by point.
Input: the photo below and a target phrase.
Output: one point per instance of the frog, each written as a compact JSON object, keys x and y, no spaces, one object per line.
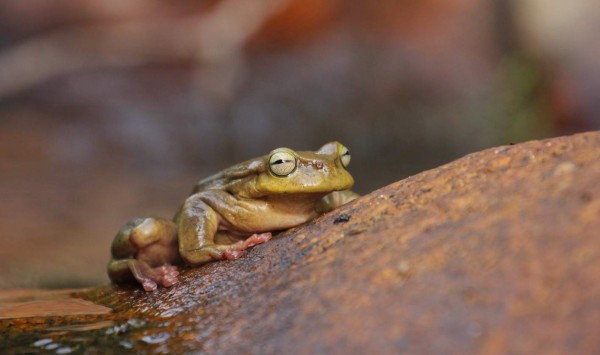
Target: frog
{"x":231,"y":211}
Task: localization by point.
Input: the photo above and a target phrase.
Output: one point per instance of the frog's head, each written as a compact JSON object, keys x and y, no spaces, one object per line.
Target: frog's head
{"x":291,"y":172}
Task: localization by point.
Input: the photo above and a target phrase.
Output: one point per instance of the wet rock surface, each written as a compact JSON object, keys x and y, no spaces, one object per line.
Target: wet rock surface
{"x":496,"y":252}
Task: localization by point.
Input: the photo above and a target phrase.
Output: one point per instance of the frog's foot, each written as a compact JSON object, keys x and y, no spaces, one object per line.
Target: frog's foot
{"x":237,"y":249}
{"x":168,"y":275}
{"x":150,"y":277}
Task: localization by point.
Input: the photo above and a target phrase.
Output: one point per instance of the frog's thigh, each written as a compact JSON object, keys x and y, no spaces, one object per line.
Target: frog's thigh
{"x":141,"y":233}
{"x":118,"y":270}
{"x":198,"y":224}
{"x":121,"y":246}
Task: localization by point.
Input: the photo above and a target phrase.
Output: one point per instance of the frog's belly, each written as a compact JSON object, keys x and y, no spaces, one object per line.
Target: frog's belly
{"x":248,"y":224}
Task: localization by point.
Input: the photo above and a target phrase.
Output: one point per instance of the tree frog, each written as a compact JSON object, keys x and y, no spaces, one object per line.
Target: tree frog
{"x":231,"y":211}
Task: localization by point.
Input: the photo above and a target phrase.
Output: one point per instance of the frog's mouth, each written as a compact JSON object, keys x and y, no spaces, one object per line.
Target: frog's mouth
{"x":307,"y":181}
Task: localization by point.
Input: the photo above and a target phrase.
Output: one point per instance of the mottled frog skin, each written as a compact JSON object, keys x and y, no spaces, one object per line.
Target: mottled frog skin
{"x":231,"y":211}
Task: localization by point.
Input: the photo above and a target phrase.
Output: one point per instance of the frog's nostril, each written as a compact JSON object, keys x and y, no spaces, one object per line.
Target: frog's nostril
{"x":318,"y":164}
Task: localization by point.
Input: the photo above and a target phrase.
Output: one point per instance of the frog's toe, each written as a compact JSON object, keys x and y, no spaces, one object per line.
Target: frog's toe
{"x":148,"y":285}
{"x":256,"y":239}
{"x":236,"y":251}
{"x":167,"y":275}
{"x":233,"y":254}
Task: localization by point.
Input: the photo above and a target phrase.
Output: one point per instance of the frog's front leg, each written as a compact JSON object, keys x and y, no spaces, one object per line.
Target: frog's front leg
{"x":198,"y":225}
{"x":236,"y":250}
{"x":335,"y":199}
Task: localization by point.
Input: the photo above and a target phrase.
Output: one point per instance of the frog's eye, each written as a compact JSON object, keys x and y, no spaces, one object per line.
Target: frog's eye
{"x":345,"y":156}
{"x":282,"y":163}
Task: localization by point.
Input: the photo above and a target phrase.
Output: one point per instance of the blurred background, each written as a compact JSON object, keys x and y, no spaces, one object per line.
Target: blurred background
{"x":111,"y":109}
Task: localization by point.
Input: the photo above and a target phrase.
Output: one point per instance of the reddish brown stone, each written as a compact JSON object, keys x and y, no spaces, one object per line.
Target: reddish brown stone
{"x":497,"y":252}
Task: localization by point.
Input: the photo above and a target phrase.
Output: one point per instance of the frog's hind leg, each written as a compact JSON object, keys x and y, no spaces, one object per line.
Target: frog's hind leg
{"x":149,"y":277}
{"x":142,"y":250}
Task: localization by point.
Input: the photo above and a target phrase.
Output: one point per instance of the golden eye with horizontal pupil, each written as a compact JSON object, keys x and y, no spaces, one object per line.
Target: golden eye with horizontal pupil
{"x":345,"y":156}
{"x":282,"y":163}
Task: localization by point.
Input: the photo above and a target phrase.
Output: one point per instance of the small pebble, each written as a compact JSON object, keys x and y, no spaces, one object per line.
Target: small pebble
{"x":136,"y":323}
{"x":343,"y":218}
{"x":42,"y":342}
{"x":64,"y":350}
{"x":126,"y":344}
{"x":156,"y":338}
{"x":52,"y":346}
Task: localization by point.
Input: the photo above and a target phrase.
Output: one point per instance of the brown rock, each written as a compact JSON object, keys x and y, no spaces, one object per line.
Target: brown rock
{"x":497,"y":252}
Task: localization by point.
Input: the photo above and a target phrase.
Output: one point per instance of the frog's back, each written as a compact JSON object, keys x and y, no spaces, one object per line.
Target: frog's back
{"x":224,"y":179}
